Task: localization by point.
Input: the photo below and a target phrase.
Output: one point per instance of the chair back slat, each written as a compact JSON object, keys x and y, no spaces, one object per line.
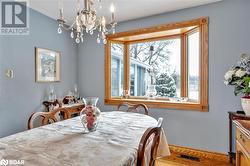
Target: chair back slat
{"x":46,"y":117}
{"x":133,"y":107}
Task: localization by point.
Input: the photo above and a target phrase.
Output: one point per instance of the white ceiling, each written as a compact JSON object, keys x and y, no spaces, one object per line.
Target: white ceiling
{"x":125,"y":9}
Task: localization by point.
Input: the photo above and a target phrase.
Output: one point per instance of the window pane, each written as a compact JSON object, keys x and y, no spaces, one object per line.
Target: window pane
{"x":155,"y":63}
{"x":193,"y":66}
{"x":116,"y":69}
{"x":132,"y":79}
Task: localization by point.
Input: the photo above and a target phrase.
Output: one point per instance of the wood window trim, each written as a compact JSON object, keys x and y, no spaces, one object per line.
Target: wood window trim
{"x":184,"y":73}
{"x":126,"y":67}
{"x":202,"y":24}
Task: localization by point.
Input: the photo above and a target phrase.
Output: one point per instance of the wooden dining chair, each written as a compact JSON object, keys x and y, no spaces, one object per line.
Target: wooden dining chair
{"x":133,"y":108}
{"x":148,"y":146}
{"x":46,"y":117}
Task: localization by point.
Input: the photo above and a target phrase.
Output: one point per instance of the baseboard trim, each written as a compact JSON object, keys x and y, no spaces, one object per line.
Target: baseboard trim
{"x":199,"y":153}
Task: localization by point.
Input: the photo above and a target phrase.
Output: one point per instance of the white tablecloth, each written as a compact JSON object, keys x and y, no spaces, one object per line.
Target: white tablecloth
{"x":114,"y":143}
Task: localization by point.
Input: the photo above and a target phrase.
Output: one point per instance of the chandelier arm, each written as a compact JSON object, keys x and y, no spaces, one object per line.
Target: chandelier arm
{"x":67,"y":28}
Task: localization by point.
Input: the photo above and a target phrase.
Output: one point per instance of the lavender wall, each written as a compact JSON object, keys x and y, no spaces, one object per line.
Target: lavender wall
{"x":21,"y":96}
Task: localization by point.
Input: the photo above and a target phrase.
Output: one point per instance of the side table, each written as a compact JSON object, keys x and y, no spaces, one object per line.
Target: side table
{"x":239,"y":115}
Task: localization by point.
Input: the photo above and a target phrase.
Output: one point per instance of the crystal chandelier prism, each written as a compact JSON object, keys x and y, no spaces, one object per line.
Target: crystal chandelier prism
{"x":87,"y":21}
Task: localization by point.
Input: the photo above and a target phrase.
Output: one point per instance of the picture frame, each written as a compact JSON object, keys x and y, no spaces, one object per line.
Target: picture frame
{"x":47,"y":65}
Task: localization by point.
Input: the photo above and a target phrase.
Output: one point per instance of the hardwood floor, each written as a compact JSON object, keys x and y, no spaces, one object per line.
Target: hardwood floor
{"x":183,"y":156}
{"x":176,"y":160}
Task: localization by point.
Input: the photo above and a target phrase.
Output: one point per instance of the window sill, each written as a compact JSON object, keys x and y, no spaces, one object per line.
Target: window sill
{"x":161,"y":104}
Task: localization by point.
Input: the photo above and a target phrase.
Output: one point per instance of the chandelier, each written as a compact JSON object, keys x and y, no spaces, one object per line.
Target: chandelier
{"x":87,"y":21}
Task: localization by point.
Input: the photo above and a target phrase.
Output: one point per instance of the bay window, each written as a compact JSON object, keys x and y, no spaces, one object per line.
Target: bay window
{"x":164,"y":66}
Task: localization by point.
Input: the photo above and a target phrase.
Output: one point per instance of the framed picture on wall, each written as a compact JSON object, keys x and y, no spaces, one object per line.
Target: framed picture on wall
{"x":47,"y":65}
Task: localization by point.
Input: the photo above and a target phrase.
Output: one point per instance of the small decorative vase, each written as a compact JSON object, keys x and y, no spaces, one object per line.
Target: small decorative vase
{"x":90,"y":114}
{"x":151,"y":91}
{"x":245,"y":102}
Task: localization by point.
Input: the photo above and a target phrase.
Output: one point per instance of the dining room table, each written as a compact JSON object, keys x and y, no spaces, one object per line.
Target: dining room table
{"x":114,"y":143}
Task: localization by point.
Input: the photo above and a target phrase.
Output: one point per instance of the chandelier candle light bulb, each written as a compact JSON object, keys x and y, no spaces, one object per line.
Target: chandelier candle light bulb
{"x":112,"y":10}
{"x":86,"y":4}
{"x":60,"y":4}
{"x":61,"y":13}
